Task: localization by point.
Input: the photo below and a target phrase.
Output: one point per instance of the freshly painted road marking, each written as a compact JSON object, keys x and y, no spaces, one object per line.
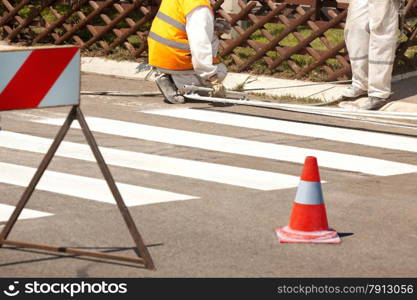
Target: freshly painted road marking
{"x":85,"y":187}
{"x":224,"y":174}
{"x":374,"y":139}
{"x":326,"y":159}
{"x":7,"y":210}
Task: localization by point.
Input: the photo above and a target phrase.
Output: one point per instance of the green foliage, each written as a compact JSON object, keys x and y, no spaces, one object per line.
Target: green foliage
{"x":24,"y":12}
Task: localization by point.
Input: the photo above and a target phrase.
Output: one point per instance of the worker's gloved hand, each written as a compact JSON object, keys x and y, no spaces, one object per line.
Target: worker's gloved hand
{"x":218,"y":88}
{"x":222,"y":26}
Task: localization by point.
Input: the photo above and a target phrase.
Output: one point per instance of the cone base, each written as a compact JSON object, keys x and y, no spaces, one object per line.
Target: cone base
{"x":287,"y":235}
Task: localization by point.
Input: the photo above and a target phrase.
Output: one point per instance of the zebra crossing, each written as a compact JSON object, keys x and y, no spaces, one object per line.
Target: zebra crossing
{"x":93,"y":189}
{"x":346,"y":162}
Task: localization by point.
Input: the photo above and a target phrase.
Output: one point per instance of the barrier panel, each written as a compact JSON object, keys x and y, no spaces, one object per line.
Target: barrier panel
{"x":50,"y":74}
{"x":50,"y":77}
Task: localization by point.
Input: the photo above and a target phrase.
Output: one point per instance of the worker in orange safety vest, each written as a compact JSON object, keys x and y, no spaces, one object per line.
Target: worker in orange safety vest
{"x":182,"y":44}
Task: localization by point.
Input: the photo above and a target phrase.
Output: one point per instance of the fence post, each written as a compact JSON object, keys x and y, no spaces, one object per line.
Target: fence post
{"x":232,"y":7}
{"x":317,"y":5}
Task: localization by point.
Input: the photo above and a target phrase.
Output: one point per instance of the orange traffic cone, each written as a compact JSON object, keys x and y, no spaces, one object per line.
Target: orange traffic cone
{"x":308,"y":222}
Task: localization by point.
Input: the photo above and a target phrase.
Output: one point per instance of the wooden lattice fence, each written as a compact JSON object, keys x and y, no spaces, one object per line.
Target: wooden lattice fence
{"x":292,"y":38}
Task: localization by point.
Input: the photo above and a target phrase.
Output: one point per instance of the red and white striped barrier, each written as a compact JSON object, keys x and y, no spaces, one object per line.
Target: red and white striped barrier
{"x":42,"y":77}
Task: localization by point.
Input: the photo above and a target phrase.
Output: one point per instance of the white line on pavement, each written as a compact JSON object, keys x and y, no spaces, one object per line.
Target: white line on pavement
{"x":85,"y":187}
{"x":327,"y":159}
{"x":374,"y":139}
{"x":7,"y":210}
{"x":243,"y":177}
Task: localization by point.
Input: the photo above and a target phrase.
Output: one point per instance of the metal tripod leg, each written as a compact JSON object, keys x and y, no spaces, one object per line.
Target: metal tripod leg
{"x":115,"y":191}
{"x":39,"y":172}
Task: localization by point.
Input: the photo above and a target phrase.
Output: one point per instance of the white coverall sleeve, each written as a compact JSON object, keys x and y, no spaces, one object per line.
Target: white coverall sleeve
{"x":199,"y":28}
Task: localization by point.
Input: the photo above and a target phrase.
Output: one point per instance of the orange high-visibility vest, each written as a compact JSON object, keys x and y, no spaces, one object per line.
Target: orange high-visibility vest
{"x":168,"y":46}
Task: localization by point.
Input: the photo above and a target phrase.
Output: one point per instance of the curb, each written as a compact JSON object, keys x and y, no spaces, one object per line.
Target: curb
{"x":131,"y":70}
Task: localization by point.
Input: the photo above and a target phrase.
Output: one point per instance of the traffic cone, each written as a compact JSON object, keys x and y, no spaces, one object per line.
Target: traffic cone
{"x":308,"y":222}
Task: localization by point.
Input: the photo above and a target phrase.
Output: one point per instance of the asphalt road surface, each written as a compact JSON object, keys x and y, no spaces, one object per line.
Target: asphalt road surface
{"x":207,"y":185}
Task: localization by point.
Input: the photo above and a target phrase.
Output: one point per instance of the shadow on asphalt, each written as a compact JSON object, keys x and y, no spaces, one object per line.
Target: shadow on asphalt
{"x":404,"y":89}
{"x":61,"y":256}
{"x":344,"y":234}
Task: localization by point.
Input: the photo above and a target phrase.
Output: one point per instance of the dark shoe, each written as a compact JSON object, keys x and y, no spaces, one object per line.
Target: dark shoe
{"x":168,"y":89}
{"x":374,"y":103}
{"x":177,"y":99}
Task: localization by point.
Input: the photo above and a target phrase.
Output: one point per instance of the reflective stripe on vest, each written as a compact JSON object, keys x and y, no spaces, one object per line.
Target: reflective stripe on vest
{"x":167,"y":42}
{"x":170,"y":21}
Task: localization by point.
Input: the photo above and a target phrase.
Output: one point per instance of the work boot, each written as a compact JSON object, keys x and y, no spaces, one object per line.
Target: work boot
{"x":352,"y":92}
{"x":373,"y":103}
{"x":168,"y":89}
{"x":370,"y":103}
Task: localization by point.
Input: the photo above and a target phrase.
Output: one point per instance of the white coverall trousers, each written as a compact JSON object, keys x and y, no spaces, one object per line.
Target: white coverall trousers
{"x":182,"y":78}
{"x":371,"y":39}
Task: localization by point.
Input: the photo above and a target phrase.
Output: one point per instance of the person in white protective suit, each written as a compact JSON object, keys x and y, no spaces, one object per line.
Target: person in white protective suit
{"x":183,"y":43}
{"x":371,"y":34}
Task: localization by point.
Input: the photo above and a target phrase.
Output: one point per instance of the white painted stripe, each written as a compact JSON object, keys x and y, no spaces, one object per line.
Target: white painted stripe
{"x":10,"y":63}
{"x":66,"y":90}
{"x":326,"y":159}
{"x":7,"y":210}
{"x":243,"y":177}
{"x":85,"y":187}
{"x":382,"y":140}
